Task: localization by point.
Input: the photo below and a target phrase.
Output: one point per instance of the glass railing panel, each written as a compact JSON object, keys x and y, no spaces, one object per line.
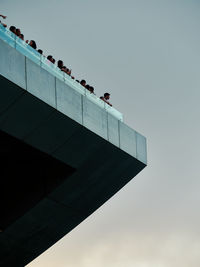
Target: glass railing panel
{"x":59,"y":73}
{"x":67,"y":78}
{"x":28,"y":51}
{"x":33,"y":54}
{"x":48,"y":65}
{"x":74,"y":84}
{"x":21,"y":46}
{"x":2,"y":28}
{"x":78,"y":87}
{"x":7,"y":36}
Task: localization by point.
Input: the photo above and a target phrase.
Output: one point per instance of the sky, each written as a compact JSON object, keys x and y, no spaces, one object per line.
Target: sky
{"x":146,"y":54}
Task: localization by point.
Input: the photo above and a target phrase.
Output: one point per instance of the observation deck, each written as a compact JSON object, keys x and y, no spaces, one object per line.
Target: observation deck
{"x":64,"y":152}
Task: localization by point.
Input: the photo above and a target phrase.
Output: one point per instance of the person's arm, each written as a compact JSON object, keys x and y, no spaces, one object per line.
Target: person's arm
{"x":108,"y":103}
{"x":4,"y":17}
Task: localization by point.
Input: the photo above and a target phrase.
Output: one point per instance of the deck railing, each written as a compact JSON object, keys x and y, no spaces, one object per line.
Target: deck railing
{"x":20,"y":45}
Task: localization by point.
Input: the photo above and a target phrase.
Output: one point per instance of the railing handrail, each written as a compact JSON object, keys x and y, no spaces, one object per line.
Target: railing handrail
{"x":20,"y":45}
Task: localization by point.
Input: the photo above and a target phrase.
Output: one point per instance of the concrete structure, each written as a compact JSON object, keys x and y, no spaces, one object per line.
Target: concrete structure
{"x":63,"y":153}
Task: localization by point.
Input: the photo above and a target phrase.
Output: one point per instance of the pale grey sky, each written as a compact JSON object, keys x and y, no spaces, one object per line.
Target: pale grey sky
{"x":146,"y":54}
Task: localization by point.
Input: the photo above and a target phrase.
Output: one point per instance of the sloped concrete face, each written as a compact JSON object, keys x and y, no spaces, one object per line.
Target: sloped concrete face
{"x":12,"y":65}
{"x":35,"y":228}
{"x":79,"y":147}
{"x":24,"y":115}
{"x":27,"y":176}
{"x":69,"y":101}
{"x":9,"y":93}
{"x":56,"y":94}
{"x":127,"y":139}
{"x":63,"y":156}
{"x":40,"y":83}
{"x":113,"y":130}
{"x":95,"y":118}
{"x":141,"y":148}
{"x":59,"y":198}
{"x":53,"y":133}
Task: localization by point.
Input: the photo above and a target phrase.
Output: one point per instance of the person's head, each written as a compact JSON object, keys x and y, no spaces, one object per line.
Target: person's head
{"x":83,"y":83}
{"x":40,"y":51}
{"x":60,"y":64}
{"x":18,"y":32}
{"x":50,"y":58}
{"x":87,"y":86}
{"x":21,"y":36}
{"x":13,"y":29}
{"x":32,"y":43}
{"x":106,"y":96}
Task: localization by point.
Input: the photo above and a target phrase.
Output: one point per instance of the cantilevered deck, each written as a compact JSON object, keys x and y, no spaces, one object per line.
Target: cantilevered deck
{"x":64,"y":152}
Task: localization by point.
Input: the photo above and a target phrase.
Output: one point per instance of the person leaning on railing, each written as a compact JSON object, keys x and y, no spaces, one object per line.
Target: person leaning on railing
{"x":32,"y":43}
{"x":51,"y":59}
{"x":90,"y":88}
{"x":105,"y":98}
{"x":13,"y":29}
{"x":83,"y":83}
{"x":60,"y":63}
{"x":17,"y":32}
{"x":4,"y":17}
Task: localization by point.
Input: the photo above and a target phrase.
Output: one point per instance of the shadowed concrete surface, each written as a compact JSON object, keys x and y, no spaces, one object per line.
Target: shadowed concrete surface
{"x":27,"y":176}
{"x":62,"y":157}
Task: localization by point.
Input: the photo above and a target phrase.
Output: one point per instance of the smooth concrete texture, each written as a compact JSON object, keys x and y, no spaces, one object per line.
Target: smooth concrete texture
{"x":141,"y":148}
{"x":95,"y":118}
{"x":9,"y":93}
{"x":7,"y":36}
{"x":113,"y":130}
{"x":44,"y":86}
{"x":69,"y":101}
{"x":100,"y":175}
{"x":78,"y":148}
{"x":26,"y":114}
{"x":27,"y":175}
{"x":40,"y":83}
{"x":127,"y":139}
{"x":53,"y":133}
{"x":105,"y":171}
{"x":86,"y":153}
{"x":35,"y":228}
{"x":12,"y":64}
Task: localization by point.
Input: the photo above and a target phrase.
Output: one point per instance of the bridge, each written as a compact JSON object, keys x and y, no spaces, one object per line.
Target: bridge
{"x":64,"y":152}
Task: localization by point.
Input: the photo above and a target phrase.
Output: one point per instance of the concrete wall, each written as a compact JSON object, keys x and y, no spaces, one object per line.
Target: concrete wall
{"x":42,"y":114}
{"x":40,"y":83}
